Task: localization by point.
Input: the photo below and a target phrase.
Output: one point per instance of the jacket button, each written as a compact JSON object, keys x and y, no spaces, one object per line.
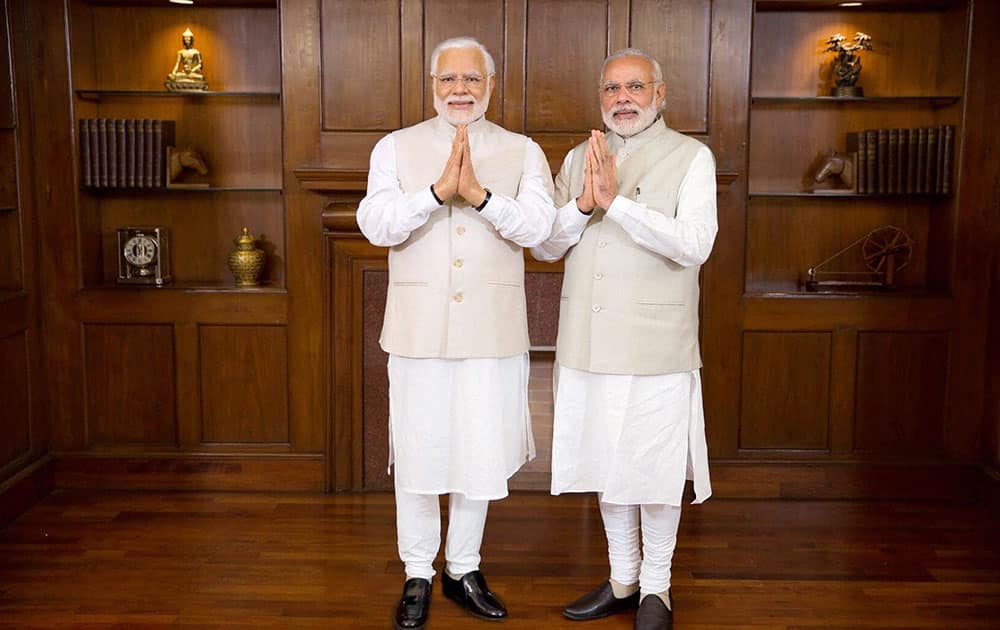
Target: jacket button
{"x":596,"y":308}
{"x":460,"y":230}
{"x":458,"y":296}
{"x":598,"y":276}
{"x":602,"y":243}
{"x":458,"y":263}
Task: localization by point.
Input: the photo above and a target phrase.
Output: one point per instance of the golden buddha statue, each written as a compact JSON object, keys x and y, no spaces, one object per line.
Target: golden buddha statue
{"x":187,"y":73}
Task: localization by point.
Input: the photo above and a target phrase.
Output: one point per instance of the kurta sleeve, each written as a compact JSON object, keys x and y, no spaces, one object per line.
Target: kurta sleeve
{"x":527,"y":219}
{"x":569,"y":223}
{"x":387,"y":215}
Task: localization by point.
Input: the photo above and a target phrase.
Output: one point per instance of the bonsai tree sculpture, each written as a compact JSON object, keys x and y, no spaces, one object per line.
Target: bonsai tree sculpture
{"x":847,"y":63}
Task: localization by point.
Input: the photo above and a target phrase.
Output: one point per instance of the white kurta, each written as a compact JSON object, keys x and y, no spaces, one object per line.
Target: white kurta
{"x":636,"y":438}
{"x":457,"y":425}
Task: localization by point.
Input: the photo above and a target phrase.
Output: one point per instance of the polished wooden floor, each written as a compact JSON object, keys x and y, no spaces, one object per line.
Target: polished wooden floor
{"x":135,"y":559}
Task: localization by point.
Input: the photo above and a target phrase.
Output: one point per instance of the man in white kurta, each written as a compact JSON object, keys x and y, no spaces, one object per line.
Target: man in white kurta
{"x":455,"y":198}
{"x":636,"y":219}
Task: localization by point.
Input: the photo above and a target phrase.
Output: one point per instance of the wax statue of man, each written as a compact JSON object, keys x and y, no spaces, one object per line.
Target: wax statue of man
{"x":455,"y":198}
{"x":636,"y":219}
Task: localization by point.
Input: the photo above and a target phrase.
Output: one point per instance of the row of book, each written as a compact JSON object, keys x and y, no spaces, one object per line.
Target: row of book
{"x":124,"y":153}
{"x":903,"y":161}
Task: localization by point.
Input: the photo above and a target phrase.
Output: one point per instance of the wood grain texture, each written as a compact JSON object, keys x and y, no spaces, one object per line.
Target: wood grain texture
{"x":208,"y":559}
{"x":901,"y":393}
{"x":561,"y":82}
{"x":130,"y":384}
{"x":244,"y":384}
{"x":15,"y":392}
{"x":793,"y":372}
{"x":361,"y":90}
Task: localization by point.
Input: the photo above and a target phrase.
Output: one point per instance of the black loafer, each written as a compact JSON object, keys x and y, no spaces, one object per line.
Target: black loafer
{"x":472,"y":594}
{"x":414,"y":605}
{"x":654,"y":615}
{"x":598,"y":603}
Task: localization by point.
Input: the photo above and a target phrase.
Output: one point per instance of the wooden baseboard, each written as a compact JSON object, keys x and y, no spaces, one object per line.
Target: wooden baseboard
{"x":211,"y":472}
{"x":24,"y":489}
{"x":845,"y":480}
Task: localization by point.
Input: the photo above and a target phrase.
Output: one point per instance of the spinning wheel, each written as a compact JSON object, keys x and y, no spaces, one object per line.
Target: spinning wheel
{"x":885,"y":251}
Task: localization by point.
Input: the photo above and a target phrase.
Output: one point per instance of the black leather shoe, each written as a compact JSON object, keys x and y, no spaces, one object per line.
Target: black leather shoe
{"x":598,"y":603}
{"x":414,"y":605}
{"x":472,"y":594}
{"x":654,"y":615}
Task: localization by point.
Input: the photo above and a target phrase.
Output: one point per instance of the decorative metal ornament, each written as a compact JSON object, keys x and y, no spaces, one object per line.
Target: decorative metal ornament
{"x":188,"y":74}
{"x":246,"y":261}
{"x":847,"y":63}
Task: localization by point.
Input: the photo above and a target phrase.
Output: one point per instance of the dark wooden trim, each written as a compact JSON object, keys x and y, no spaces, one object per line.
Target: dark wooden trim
{"x":24,"y":489}
{"x":14,"y":314}
{"x":845,"y":480}
{"x":113,"y":305}
{"x":190,"y":471}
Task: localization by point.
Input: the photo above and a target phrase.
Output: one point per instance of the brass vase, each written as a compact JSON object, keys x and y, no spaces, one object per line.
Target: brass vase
{"x":247,"y":260}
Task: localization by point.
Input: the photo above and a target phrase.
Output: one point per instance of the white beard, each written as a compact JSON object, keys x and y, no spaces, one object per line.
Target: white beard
{"x":628,"y":128}
{"x":462,"y":118}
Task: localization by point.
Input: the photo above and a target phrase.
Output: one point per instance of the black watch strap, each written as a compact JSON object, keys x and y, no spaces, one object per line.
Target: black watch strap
{"x":486,"y":200}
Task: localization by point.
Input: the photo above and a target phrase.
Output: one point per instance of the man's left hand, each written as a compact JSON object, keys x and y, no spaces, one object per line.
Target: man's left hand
{"x":605,"y":173}
{"x":468,"y":185}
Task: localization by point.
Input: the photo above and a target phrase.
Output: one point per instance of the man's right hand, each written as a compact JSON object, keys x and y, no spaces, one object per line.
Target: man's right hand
{"x":447,"y":185}
{"x":586,"y":202}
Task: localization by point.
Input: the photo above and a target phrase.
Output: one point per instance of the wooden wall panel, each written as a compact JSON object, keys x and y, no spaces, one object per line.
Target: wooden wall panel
{"x":485,"y":18}
{"x":152,"y":37}
{"x":361,"y":72}
{"x":8,"y":174}
{"x":14,"y":392}
{"x":562,"y":78}
{"x":6,"y":76}
{"x":244,"y":384}
{"x":130,"y":384}
{"x":786,"y":390}
{"x":901,"y":41}
{"x":678,"y":34}
{"x":900,"y":393}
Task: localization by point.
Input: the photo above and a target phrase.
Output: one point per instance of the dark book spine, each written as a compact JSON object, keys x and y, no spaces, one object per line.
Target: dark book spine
{"x":112,"y":153}
{"x":140,"y":153}
{"x":883,"y":161}
{"x":95,"y":155}
{"x":890,"y":178}
{"x":122,"y":152}
{"x":856,"y":143}
{"x":932,"y":155}
{"x":901,"y":162}
{"x":102,"y":137}
{"x":147,"y":171}
{"x":921,"y":160}
{"x":84,"y":152}
{"x":949,"y":148}
{"x":911,"y":161}
{"x":872,"y":166}
{"x":940,"y":161}
{"x":130,"y":153}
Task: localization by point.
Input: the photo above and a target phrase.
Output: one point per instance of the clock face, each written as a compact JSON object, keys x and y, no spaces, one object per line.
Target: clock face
{"x":140,"y":250}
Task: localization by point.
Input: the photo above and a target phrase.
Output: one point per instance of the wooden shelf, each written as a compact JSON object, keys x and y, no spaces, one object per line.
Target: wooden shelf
{"x":855,"y":196}
{"x":928,"y":100}
{"x":185,"y":287}
{"x":875,"y":294}
{"x":7,"y":209}
{"x":175,"y":191}
{"x":96,"y":95}
{"x":868,"y":5}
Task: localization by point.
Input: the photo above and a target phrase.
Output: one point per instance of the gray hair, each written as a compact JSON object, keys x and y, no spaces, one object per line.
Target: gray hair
{"x":463,"y":42}
{"x":642,"y":54}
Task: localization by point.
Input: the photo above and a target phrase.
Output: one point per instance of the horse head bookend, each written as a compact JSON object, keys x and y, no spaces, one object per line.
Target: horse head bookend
{"x":181,"y":160}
